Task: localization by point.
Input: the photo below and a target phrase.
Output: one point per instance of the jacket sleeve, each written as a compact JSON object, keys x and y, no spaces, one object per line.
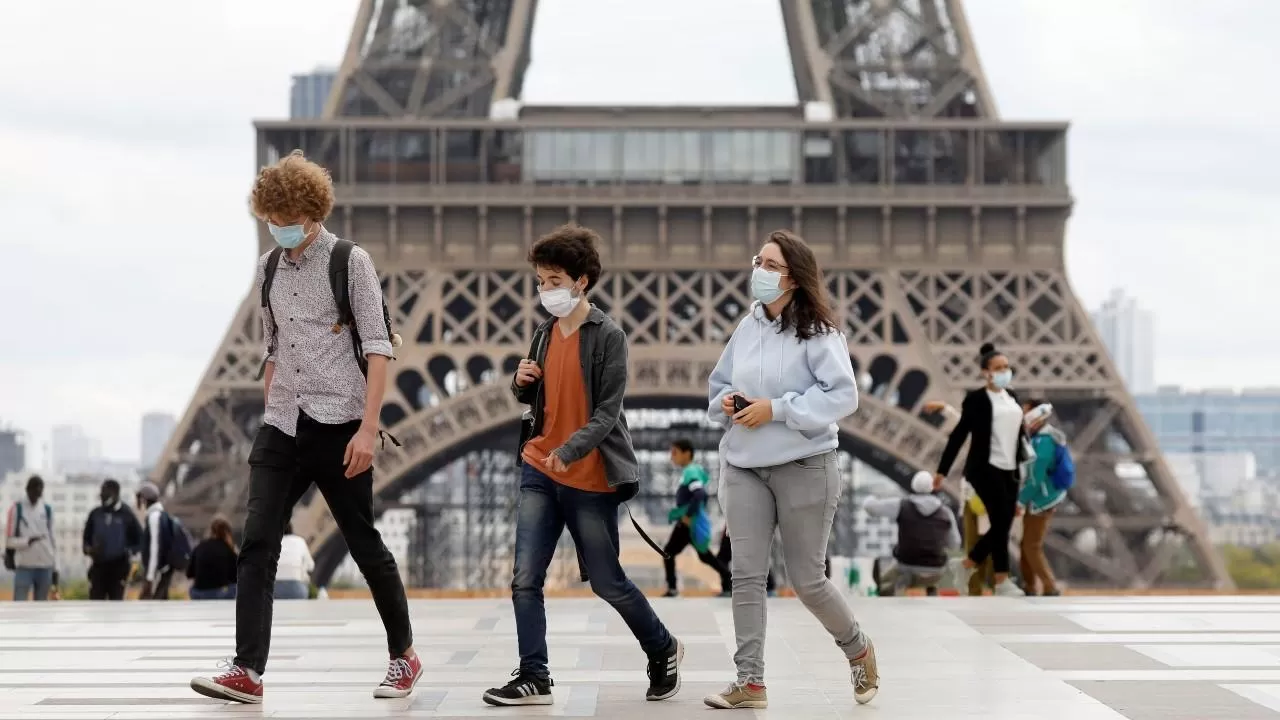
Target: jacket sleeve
{"x":133,"y":533}
{"x":834,"y":395}
{"x":883,"y":507}
{"x":526,"y":395}
{"x":953,"y":535}
{"x":87,"y":542}
{"x":608,"y":401}
{"x":959,"y":434}
{"x":719,"y":386}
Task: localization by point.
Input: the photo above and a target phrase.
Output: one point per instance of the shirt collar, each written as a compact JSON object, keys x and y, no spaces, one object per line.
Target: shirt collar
{"x":323,"y":244}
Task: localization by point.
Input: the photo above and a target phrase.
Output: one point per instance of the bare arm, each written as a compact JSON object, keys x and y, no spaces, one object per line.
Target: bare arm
{"x":375,"y":388}
{"x":270,"y":373}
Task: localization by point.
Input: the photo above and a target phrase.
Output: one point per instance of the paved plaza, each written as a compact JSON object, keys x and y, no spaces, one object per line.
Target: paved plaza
{"x":955,"y":658}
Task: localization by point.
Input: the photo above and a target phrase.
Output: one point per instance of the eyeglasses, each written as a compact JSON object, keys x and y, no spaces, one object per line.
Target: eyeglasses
{"x":769,"y":265}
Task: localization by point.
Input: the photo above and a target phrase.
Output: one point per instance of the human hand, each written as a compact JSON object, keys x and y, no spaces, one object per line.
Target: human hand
{"x":554,"y":463}
{"x":686,"y":520}
{"x":759,"y":412}
{"x":727,"y":404}
{"x":934,"y":406}
{"x":938,"y":479}
{"x":527,"y":372}
{"x":359,"y":454}
{"x":1018,"y":511}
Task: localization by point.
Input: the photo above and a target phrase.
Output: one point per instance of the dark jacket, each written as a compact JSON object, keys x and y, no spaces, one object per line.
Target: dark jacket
{"x":212,"y":565}
{"x":603,"y":352}
{"x":112,"y":533}
{"x":975,"y":425}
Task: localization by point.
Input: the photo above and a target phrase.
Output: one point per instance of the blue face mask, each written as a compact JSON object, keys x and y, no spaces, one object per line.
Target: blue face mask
{"x":1002,"y":379}
{"x":764,"y":285}
{"x":288,"y":237}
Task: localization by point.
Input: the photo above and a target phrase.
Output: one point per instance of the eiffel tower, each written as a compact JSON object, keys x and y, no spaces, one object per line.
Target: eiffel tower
{"x":940,"y":227}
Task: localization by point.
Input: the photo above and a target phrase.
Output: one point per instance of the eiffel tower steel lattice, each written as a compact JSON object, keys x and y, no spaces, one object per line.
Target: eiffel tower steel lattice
{"x":940,"y":228}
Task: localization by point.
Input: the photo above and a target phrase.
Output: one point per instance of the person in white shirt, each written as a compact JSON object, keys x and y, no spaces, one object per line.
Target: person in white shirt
{"x":29,"y":547}
{"x":991,"y":420}
{"x":293,"y":573}
{"x":157,"y":575}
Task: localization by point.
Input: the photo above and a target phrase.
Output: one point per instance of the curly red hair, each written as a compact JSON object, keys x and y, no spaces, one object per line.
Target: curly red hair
{"x":292,"y":189}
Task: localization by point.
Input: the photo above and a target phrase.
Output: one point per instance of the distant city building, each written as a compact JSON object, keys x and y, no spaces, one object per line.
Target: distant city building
{"x":73,"y":450}
{"x":157,"y":427}
{"x":13,"y":452}
{"x":1217,"y":421}
{"x":310,"y":92}
{"x":1213,"y":474}
{"x":1128,"y":332}
{"x":71,"y":497}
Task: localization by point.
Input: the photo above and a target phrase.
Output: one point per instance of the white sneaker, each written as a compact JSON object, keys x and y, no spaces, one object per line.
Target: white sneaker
{"x":1009,"y":588}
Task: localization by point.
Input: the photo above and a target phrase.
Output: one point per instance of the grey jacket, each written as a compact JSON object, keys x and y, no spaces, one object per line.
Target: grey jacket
{"x":603,"y":353}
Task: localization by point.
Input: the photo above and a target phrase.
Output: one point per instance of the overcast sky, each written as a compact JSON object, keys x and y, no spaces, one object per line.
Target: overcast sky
{"x":126,"y":152}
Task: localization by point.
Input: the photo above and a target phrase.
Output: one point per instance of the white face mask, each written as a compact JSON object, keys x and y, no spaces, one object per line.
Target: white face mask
{"x":560,"y":301}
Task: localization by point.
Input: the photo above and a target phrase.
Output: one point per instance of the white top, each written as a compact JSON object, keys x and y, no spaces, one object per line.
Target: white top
{"x":35,"y":524}
{"x":295,"y":560}
{"x":1006,"y":418}
{"x":154,"y":564}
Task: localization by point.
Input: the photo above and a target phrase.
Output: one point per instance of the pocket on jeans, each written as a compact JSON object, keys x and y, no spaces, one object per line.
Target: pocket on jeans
{"x":813,"y":462}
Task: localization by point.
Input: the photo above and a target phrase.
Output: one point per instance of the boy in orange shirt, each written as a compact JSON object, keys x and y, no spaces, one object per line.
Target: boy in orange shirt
{"x":578,"y":466}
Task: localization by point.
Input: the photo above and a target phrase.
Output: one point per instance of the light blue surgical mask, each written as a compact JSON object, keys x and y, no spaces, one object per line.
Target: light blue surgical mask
{"x":765,"y":285}
{"x":288,"y":237}
{"x":1002,"y":379}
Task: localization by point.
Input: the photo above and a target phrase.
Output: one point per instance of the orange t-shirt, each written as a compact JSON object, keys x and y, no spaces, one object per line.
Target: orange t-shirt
{"x":565,"y":411}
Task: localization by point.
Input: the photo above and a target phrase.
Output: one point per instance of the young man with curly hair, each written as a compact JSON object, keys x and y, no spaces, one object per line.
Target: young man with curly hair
{"x":578,"y":467}
{"x":320,"y":423}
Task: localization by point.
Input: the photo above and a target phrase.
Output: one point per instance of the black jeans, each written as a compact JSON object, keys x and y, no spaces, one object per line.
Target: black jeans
{"x":281,"y":470}
{"x":998,"y":491}
{"x":680,"y":539}
{"x":546,"y":510}
{"x":107,"y":577}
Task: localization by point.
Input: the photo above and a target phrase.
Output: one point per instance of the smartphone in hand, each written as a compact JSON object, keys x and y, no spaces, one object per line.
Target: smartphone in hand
{"x":739,"y":404}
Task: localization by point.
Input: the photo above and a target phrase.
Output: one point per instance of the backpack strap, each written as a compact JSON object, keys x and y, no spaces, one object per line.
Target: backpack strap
{"x":339,"y":283}
{"x":268,"y":278}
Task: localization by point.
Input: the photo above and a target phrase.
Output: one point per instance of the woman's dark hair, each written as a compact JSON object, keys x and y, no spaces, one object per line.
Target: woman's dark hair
{"x":220,"y":529}
{"x":986,"y":354}
{"x":571,"y":248}
{"x":809,"y":312}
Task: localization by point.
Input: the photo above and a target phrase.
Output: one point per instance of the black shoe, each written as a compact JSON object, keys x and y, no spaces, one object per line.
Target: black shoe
{"x":664,"y":672}
{"x":525,"y":689}
{"x":671,"y":593}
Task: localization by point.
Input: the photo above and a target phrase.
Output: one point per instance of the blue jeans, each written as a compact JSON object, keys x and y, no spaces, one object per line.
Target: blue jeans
{"x":546,"y":509}
{"x":26,"y":580}
{"x":291,"y":590}
{"x":223,"y":593}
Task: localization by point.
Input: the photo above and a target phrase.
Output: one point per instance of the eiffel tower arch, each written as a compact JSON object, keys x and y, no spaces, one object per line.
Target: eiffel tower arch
{"x":940,"y":227}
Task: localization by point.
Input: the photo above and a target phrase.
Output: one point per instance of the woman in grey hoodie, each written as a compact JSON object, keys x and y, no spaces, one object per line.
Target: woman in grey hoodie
{"x":782,"y":384}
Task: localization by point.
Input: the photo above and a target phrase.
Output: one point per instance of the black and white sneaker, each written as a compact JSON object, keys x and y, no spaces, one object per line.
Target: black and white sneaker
{"x":525,"y":689}
{"x":664,"y":672}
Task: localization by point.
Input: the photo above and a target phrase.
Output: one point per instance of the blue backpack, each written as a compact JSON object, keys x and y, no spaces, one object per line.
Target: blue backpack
{"x":1063,"y":472}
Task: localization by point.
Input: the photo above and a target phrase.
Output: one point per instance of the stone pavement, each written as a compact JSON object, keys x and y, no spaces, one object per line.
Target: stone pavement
{"x":954,"y":658}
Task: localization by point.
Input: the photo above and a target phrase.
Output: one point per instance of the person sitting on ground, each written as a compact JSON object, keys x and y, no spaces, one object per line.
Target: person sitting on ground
{"x":692,"y":522}
{"x":212,"y":568}
{"x":926,"y":531}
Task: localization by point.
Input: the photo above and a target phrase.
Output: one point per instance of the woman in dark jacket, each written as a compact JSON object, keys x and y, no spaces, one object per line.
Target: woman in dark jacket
{"x":991,"y":419}
{"x":212,"y":567}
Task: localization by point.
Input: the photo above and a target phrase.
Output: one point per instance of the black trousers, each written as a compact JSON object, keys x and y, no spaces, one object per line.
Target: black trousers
{"x":680,"y":539}
{"x":998,"y":491}
{"x":281,"y":470}
{"x":107,"y":578}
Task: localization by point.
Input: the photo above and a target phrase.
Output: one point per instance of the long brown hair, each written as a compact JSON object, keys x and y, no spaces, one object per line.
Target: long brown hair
{"x":220,"y":529}
{"x":809,"y":312}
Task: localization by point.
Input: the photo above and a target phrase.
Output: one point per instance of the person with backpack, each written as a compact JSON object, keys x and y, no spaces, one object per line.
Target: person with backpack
{"x":165,"y":545}
{"x":30,"y":551}
{"x":328,"y":343}
{"x":111,"y":535}
{"x":926,"y":532}
{"x":1048,"y":478}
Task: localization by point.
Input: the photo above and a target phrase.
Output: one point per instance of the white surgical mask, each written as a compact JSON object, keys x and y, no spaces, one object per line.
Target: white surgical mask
{"x":560,"y":301}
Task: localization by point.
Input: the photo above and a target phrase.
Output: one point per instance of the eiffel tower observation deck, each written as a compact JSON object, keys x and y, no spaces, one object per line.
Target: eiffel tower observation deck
{"x":939,"y":225}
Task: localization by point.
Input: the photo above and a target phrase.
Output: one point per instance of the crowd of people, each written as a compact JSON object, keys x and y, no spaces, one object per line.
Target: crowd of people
{"x":781,"y":386}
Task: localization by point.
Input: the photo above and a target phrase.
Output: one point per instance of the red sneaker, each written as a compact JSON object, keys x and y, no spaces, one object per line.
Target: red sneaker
{"x":402,"y":675}
{"x":234,"y":685}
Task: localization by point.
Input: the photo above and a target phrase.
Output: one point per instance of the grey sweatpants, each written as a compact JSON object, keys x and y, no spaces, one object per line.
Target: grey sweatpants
{"x":799,"y":499}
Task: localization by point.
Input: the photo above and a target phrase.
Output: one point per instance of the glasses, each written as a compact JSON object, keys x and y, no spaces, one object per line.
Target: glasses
{"x":771,"y":266}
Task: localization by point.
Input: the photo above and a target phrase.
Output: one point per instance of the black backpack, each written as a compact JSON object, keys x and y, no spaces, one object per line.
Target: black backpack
{"x":338,"y":261}
{"x":176,"y":545}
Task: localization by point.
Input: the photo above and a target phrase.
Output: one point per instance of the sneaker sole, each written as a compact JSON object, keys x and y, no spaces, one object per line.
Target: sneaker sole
{"x":213,"y":690}
{"x":672,"y":692}
{"x":514,"y":702}
{"x":719,"y":703}
{"x":866,"y":697}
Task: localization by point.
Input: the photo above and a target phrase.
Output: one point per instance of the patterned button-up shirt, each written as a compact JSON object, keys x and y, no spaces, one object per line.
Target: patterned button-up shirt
{"x":315,"y":366}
